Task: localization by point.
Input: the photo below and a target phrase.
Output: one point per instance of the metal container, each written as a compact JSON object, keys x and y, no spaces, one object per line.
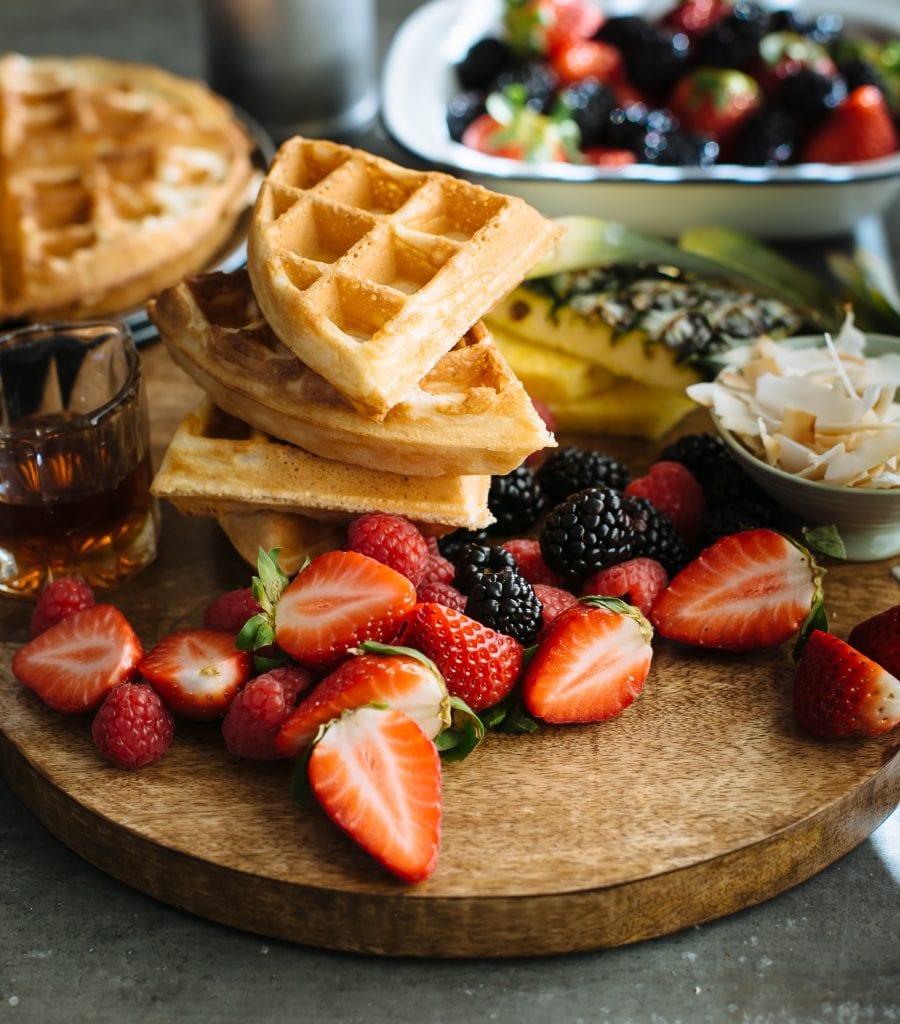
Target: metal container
{"x":299,"y":67}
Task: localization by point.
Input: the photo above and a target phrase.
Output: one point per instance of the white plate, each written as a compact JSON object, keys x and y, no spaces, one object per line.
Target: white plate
{"x":804,"y":201}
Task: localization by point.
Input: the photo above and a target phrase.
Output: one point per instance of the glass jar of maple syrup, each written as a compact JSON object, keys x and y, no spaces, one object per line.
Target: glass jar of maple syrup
{"x":75,"y":465}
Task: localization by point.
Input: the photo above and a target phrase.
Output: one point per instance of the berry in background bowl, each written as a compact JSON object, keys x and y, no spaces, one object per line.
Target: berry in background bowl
{"x":815,"y":424}
{"x":780,"y":122}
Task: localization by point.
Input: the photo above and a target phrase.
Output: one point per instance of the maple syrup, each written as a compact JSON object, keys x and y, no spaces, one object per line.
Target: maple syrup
{"x":75,"y":466}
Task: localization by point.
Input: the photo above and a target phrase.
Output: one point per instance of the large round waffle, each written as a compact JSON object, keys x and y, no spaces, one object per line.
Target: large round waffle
{"x":116,"y":179}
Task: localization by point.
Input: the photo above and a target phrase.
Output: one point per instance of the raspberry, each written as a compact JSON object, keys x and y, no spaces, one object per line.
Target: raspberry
{"x":439,"y":592}
{"x":230,"y":611}
{"x":133,"y":728}
{"x":431,"y":542}
{"x":553,"y":601}
{"x":673,"y":489}
{"x":528,"y":557}
{"x":258,"y":711}
{"x":436,"y":569}
{"x":392,"y":540}
{"x":639,"y":581}
{"x":58,"y":600}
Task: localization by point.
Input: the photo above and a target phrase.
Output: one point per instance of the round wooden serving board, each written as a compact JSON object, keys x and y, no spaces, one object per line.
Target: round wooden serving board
{"x":701,"y":799}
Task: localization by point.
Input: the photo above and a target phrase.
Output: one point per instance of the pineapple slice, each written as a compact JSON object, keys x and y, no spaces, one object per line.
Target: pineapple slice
{"x":550,"y":375}
{"x":628,"y":408}
{"x":528,"y":314}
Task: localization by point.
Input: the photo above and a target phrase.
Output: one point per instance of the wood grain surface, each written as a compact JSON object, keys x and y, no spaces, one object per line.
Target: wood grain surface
{"x":701,"y":799}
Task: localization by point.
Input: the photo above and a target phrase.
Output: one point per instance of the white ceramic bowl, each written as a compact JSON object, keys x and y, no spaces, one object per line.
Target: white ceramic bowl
{"x":867,"y":519}
{"x":803,"y":201}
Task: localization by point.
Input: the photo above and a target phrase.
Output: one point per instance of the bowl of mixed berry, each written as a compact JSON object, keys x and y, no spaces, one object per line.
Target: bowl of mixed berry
{"x":788,"y":117}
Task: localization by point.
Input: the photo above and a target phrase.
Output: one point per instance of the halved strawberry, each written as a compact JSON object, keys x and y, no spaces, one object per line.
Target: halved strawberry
{"x":590,"y":664}
{"x":408,"y":683}
{"x":878,"y":638}
{"x":479,"y":665}
{"x":378,"y":777}
{"x":340,"y":599}
{"x":197,"y":672}
{"x":747,"y":590}
{"x":73,"y":665}
{"x":839,"y":692}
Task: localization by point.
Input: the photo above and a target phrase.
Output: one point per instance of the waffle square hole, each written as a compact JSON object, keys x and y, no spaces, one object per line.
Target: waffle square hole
{"x":129,"y":172}
{"x":365,"y":186}
{"x":301,"y":273}
{"x":455,"y":210}
{"x":311,"y":163}
{"x":56,"y":202}
{"x":360,"y":310}
{"x":322,"y":232}
{"x":402,"y":261}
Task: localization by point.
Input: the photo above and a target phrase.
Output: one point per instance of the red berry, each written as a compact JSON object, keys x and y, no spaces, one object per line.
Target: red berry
{"x":878,"y":638}
{"x":639,"y":581}
{"x":391,"y":540}
{"x":230,"y":611}
{"x":257,"y":713}
{"x":553,"y":601}
{"x":436,"y":569}
{"x":531,"y":564}
{"x":441,"y":593}
{"x":860,"y":128}
{"x":673,"y":489}
{"x":59,"y":599}
{"x":133,"y":728}
{"x":479,"y":664}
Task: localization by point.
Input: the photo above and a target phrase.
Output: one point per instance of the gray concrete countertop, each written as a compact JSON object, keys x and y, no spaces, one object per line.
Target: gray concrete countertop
{"x":75,"y":945}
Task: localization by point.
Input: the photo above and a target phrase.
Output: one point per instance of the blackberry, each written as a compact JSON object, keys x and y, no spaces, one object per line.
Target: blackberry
{"x":587,"y":531}
{"x":733,"y":41}
{"x":625,"y":32}
{"x":654,"y":536}
{"x":680,"y":149}
{"x":809,"y":95}
{"x":572,"y":469}
{"x":628,"y":127}
{"x":722,"y":522}
{"x":516,"y":501}
{"x":658,"y":61}
{"x":539,"y":81}
{"x":769,"y":139}
{"x":451,"y":545}
{"x":483,"y":62}
{"x":476,"y":559}
{"x":462,"y":111}
{"x":702,"y":454}
{"x":589,"y":104}
{"x":731,"y":488}
{"x":504,"y":600}
{"x":857,"y":72}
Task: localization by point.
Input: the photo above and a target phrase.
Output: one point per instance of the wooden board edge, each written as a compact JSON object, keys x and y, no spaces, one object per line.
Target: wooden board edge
{"x":402,"y":924}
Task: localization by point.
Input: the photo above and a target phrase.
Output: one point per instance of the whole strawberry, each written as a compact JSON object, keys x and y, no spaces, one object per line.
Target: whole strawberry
{"x":839,"y":692}
{"x":133,"y":728}
{"x":878,"y":638}
{"x":716,"y":102}
{"x":479,"y":665}
{"x":58,"y":600}
{"x":258,"y":711}
{"x":861,"y":128}
{"x":391,"y":540}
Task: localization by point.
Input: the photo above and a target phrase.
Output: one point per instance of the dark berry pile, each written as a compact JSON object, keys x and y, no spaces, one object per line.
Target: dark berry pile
{"x":590,"y":519}
{"x":621,"y":84}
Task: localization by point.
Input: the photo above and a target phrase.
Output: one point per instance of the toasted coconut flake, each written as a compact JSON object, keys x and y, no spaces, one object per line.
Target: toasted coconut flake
{"x":822,"y":412}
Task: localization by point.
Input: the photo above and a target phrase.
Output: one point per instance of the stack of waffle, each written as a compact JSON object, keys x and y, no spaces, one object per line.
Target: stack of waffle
{"x":116,"y":180}
{"x":347,"y":369}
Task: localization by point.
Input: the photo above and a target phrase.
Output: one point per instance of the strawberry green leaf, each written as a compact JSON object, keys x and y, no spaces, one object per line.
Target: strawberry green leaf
{"x":509,"y":716}
{"x":265,"y":663}
{"x":269,"y":585}
{"x":466,"y":731}
{"x":256,"y":632}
